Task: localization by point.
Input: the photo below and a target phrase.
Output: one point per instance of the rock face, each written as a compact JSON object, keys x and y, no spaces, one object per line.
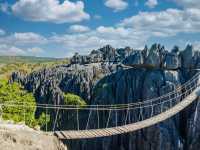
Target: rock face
{"x":48,"y":85}
{"x":20,"y":137}
{"x":96,"y":79}
{"x":105,"y":54}
{"x":171,"y":61}
{"x":156,"y":57}
{"x":135,"y":59}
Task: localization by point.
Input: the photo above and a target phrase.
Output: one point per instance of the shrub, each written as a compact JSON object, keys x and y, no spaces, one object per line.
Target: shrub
{"x":72,"y":99}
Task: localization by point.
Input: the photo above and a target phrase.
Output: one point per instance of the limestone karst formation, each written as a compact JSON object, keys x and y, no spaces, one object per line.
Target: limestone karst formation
{"x":101,"y":78}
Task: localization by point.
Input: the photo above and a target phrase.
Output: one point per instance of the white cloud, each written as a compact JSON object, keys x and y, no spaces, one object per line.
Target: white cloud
{"x":23,"y":39}
{"x":165,"y":23}
{"x":2,"y":32}
{"x":79,"y":28}
{"x":196,"y":45}
{"x":151,"y":3}
{"x":93,"y":39}
{"x":188,"y":3}
{"x":50,"y":11}
{"x":10,"y":50}
{"x":134,"y":31}
{"x":117,"y":5}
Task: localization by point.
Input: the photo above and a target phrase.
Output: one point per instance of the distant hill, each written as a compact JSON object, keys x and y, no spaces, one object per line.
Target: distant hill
{"x":27,"y":59}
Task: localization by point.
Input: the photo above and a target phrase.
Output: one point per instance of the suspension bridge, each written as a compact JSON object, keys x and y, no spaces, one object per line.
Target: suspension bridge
{"x":93,"y":121}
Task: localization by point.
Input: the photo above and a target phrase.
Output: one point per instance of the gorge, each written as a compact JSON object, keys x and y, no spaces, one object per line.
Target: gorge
{"x":102,"y":78}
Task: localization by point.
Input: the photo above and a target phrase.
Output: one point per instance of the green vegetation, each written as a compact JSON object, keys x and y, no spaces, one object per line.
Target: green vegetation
{"x":20,"y":106}
{"x":43,"y":120}
{"x":26,"y":64}
{"x":72,"y":99}
{"x":16,"y":94}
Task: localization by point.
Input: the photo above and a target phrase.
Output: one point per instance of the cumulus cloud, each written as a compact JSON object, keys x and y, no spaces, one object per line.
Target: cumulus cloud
{"x":133,"y":31}
{"x":10,"y":50}
{"x":151,"y":3}
{"x":165,"y":23}
{"x":78,"y":28}
{"x":196,"y":45}
{"x":23,"y":38}
{"x":93,"y":39}
{"x":187,"y":3}
{"x":117,"y":5}
{"x":22,"y":44}
{"x":50,"y":11}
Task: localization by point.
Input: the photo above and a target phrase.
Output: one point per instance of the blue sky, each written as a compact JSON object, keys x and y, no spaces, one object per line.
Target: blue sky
{"x":53,"y":28}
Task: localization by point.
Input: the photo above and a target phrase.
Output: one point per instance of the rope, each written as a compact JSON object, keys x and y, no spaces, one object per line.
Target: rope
{"x":88,"y":119}
{"x":127,"y":113}
{"x":54,"y":126}
{"x":98,"y":116}
{"x":116,"y":118}
{"x":77,"y":118}
{"x":151,"y":109}
{"x":24,"y":113}
{"x":100,"y":109}
{"x":140,"y":114}
{"x":108,"y":119}
{"x":46,"y":117}
{"x":131,"y":104}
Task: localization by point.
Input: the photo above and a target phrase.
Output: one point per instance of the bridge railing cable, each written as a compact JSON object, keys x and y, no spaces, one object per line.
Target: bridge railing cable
{"x":114,"y":115}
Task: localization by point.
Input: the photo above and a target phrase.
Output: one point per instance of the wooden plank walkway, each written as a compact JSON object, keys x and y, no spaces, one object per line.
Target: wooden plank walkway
{"x":95,"y":133}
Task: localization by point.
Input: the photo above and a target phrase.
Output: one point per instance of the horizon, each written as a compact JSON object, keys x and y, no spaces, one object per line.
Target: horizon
{"x":62,"y":27}
{"x":46,"y":57}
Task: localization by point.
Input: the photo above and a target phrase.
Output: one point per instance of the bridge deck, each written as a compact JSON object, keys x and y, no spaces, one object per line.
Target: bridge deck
{"x":94,"y":133}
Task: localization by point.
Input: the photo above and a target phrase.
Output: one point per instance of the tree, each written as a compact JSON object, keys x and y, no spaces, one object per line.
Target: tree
{"x":17,"y":104}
